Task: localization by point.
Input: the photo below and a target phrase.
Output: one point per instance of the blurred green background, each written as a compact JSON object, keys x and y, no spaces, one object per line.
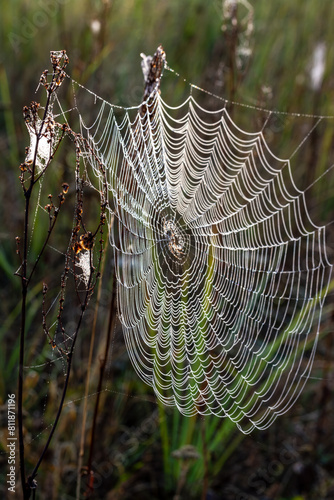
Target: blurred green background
{"x":270,"y":60}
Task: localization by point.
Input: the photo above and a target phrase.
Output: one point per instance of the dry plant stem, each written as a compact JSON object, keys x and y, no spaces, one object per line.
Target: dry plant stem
{"x":89,"y":290}
{"x":89,"y":364}
{"x":21,"y":359}
{"x":25,"y":282}
{"x":84,"y":305}
{"x":59,"y":61}
{"x":111,"y":325}
{"x":152,"y":79}
{"x":52,"y":224}
{"x":69,"y":365}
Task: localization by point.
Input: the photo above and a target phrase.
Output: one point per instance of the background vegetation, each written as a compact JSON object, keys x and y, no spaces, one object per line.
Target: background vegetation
{"x":136,"y":438}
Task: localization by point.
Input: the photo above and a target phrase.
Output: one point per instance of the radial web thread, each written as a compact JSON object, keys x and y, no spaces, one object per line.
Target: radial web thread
{"x":221,"y":272}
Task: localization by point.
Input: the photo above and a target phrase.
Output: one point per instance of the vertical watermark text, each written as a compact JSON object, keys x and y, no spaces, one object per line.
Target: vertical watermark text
{"x":11,"y":442}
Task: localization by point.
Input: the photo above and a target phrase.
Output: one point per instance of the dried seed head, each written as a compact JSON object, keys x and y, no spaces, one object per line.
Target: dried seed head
{"x":87,"y":240}
{"x":43,"y":78}
{"x":77,"y":247}
{"x":61,"y":197}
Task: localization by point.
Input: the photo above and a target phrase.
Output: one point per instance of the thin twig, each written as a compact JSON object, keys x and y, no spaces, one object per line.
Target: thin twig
{"x":89,"y":364}
{"x":31,"y":117}
{"x":25,"y":281}
{"x":69,"y":365}
{"x":52,"y":224}
{"x":21,"y":359}
{"x":111,"y":325}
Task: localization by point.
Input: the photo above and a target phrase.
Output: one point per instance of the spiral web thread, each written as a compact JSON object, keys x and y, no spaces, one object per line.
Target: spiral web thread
{"x":221,"y":272}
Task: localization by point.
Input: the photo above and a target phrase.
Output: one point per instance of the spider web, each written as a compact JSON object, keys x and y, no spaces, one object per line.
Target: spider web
{"x":221,"y":272}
